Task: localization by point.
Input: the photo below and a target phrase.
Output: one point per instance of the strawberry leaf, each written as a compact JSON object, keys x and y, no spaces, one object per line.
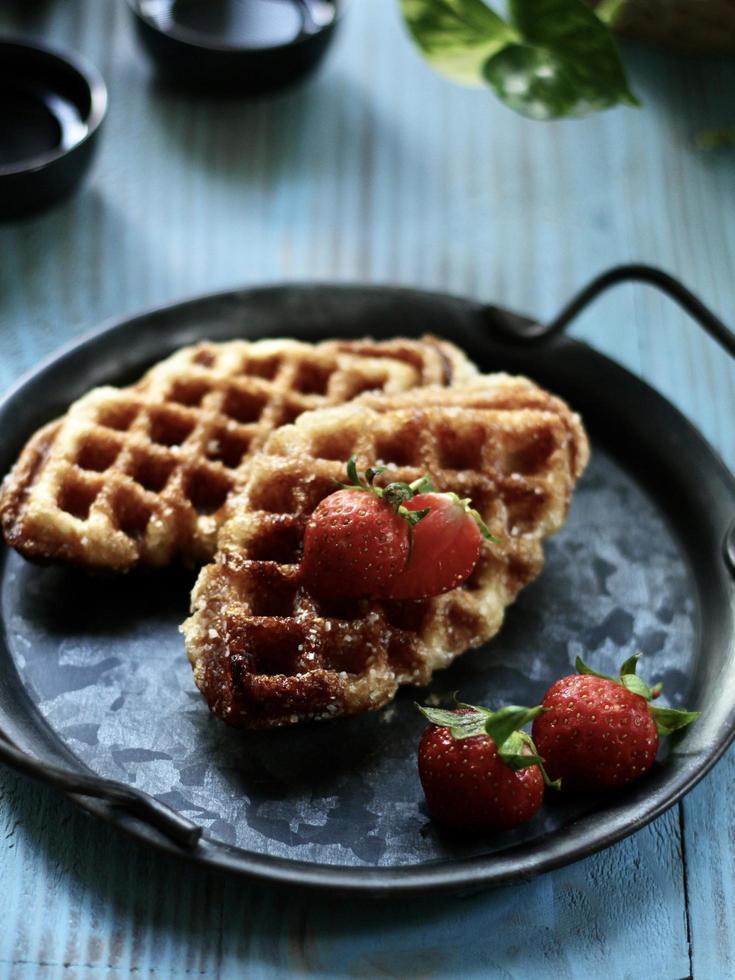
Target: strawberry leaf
{"x":413,"y":516}
{"x":466,"y":505}
{"x":631,"y":665}
{"x":462,"y":724}
{"x":484,"y":529}
{"x":371,"y":472}
{"x":519,"y":752}
{"x":516,"y":748}
{"x":469,"y":720}
{"x":352,"y":474}
{"x":636,"y":686}
{"x":422,"y":485}
{"x":582,"y":668}
{"x":395,"y":494}
{"x":499,"y":725}
{"x":669,"y":720}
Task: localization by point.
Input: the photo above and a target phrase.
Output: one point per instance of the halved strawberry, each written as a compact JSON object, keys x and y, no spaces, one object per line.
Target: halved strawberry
{"x":446,"y":546}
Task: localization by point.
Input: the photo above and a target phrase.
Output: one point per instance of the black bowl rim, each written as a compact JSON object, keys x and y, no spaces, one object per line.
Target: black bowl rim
{"x":523,"y":861}
{"x":98,"y":100}
{"x":198,"y":42}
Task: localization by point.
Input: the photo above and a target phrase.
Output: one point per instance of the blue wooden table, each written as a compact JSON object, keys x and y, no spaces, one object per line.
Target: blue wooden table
{"x":378,"y":170}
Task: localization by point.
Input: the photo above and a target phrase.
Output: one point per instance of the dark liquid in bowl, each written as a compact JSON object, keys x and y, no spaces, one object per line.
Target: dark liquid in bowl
{"x":242,"y":23}
{"x":35,"y":122}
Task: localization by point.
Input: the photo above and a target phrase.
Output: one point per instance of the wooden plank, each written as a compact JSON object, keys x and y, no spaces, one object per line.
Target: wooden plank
{"x":81,"y":900}
{"x":376,"y":170}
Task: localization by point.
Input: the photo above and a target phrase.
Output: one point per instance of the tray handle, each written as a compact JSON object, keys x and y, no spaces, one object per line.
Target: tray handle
{"x":524,"y":332}
{"x":177,"y":828}
{"x":518,"y":331}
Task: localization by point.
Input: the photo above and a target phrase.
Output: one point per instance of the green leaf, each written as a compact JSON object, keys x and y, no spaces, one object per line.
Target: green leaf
{"x":462,"y":724}
{"x":422,"y":485}
{"x":414,"y":516}
{"x":582,"y":668}
{"x":519,"y":752}
{"x":397,"y":494}
{"x":371,"y":472}
{"x":499,"y":725}
{"x":484,"y":529}
{"x":610,"y":11}
{"x":564,"y":62}
{"x":670,"y":720}
{"x":472,"y":719}
{"x":515,"y":748}
{"x":456,"y":36}
{"x":636,"y":686}
{"x":352,"y":471}
{"x":631,"y":665}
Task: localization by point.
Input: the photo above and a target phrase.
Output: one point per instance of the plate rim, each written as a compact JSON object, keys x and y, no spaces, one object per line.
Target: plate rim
{"x":519,"y":862}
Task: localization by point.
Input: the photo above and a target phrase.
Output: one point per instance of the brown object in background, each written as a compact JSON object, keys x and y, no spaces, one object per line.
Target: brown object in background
{"x":690,"y":25}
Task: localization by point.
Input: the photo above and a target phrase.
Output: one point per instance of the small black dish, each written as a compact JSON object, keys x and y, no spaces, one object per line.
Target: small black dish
{"x":51,"y":108}
{"x":242,"y":46}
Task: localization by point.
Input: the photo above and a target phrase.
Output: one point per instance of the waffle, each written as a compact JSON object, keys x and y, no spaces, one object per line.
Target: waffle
{"x":265,"y":652}
{"x":140,"y":474}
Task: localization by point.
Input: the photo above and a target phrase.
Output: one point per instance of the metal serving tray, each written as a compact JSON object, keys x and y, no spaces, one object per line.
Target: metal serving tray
{"x":97,"y":698}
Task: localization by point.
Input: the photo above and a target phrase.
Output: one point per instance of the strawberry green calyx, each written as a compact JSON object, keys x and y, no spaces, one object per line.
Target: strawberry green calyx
{"x":668,"y":720}
{"x":515,"y":747}
{"x":395,"y":494}
{"x":398,"y":493}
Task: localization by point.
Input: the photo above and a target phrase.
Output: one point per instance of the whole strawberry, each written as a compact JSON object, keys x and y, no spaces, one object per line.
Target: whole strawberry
{"x":358,"y":539}
{"x":598,"y":732}
{"x":479,"y":772}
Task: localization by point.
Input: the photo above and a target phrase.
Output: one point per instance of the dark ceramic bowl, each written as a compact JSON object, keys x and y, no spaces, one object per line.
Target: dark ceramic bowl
{"x":51,"y":108}
{"x":240,"y":46}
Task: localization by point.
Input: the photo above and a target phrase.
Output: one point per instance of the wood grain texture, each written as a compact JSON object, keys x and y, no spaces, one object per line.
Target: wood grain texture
{"x":378,"y":170}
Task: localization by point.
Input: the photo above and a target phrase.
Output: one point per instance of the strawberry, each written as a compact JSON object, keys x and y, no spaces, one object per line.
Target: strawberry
{"x":446,"y":546}
{"x":479,"y":772}
{"x":369,"y":542}
{"x":599,"y":732}
{"x":358,"y":539}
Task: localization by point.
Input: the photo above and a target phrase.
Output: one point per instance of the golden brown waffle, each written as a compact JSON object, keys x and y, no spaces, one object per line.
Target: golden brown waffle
{"x":265,"y":652}
{"x":141,"y":474}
